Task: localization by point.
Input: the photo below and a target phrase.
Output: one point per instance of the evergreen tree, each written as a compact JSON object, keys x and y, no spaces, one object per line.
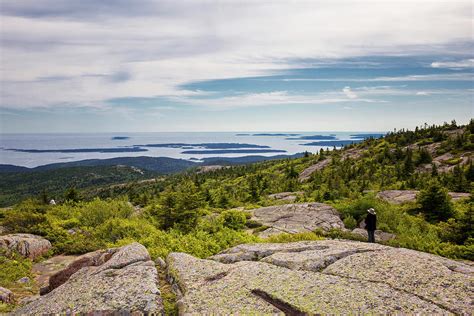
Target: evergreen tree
{"x":72,"y":195}
{"x":435,"y":202}
{"x":408,"y":165}
{"x":424,"y":157}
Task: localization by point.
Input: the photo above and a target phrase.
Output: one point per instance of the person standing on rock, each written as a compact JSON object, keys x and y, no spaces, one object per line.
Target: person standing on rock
{"x":371,"y":224}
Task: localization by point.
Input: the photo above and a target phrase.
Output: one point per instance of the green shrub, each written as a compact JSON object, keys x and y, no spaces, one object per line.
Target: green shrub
{"x":253,"y":224}
{"x":12,"y":268}
{"x":234,"y":219}
{"x":350,"y":222}
{"x":435,"y":203}
{"x":452,"y":161}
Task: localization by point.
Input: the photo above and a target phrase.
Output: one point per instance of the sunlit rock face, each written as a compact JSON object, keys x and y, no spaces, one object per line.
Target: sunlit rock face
{"x":321,"y":277}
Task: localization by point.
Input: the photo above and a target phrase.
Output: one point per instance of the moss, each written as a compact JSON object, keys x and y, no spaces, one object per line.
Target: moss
{"x":452,"y":161}
{"x":168,"y":297}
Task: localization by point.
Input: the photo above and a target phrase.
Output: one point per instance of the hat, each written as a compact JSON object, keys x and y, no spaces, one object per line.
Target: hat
{"x":371,"y":211}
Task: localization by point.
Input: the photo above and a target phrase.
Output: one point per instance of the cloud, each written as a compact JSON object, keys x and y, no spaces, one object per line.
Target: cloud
{"x":466,"y":63}
{"x":145,"y":48}
{"x":273,"y":98}
{"x":422,"y":93}
{"x":349,"y":93}
{"x":467,"y":76}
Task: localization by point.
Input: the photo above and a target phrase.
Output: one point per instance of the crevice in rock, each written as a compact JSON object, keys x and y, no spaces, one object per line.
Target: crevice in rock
{"x":285,"y":307}
{"x":448,"y":309}
{"x":336,"y":258}
{"x":217,"y":277}
{"x":458,"y":269}
{"x":120,"y":266}
{"x":168,"y":296}
{"x":259,"y":257}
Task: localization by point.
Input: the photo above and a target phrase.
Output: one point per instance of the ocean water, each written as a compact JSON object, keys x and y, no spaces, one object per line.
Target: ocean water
{"x":9,"y":143}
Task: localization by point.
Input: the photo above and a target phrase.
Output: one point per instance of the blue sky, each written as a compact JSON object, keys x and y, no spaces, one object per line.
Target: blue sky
{"x":123,"y":66}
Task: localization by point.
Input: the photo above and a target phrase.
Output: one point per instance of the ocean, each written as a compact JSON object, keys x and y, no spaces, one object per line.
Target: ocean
{"x":31,"y":150}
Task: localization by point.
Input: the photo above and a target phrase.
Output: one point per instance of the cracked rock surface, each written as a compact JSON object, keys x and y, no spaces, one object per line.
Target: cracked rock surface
{"x":321,"y":277}
{"x":296,"y":218}
{"x":121,"y":280}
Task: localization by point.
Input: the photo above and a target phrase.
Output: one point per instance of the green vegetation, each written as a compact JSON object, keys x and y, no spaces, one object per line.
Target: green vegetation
{"x":12,"y":268}
{"x":51,"y":184}
{"x":204,"y":213}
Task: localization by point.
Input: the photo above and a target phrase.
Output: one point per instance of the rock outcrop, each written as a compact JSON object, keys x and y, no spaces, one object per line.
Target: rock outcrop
{"x":297,"y":218}
{"x":403,"y":196}
{"x":306,"y":173}
{"x":28,"y":245}
{"x":121,"y":280}
{"x":321,"y":277}
{"x":352,"y":153}
{"x":286,"y":196}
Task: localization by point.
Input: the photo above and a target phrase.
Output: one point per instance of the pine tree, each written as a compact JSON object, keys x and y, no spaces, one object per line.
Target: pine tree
{"x":435,"y":202}
{"x":408,"y":165}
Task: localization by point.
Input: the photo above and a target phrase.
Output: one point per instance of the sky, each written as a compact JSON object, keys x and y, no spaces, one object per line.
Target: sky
{"x":151,"y":66}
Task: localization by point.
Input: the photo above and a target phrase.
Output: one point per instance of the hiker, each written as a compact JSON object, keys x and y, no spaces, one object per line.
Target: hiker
{"x":371,"y":224}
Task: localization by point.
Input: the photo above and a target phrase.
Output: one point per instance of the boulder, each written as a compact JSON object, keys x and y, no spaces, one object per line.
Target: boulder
{"x":320,"y":277}
{"x":297,"y":218}
{"x":6,"y":296}
{"x":403,"y":196}
{"x":379,"y":235}
{"x":28,"y":245}
{"x":120,"y":280}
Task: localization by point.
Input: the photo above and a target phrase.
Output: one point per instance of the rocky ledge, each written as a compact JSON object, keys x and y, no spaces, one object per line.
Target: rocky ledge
{"x":27,"y":245}
{"x":403,"y":196}
{"x":321,"y":277}
{"x":296,"y":218}
{"x":119,"y":280}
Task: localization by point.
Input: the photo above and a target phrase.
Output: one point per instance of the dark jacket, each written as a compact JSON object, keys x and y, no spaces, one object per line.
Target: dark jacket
{"x":371,"y":222}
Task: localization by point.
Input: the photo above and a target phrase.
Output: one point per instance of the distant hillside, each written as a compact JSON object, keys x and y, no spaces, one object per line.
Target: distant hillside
{"x":16,"y":186}
{"x":13,"y":168}
{"x":93,"y":174}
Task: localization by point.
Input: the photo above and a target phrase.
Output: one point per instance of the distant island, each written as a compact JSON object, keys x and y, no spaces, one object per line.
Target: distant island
{"x":233,"y":151}
{"x":120,"y":137}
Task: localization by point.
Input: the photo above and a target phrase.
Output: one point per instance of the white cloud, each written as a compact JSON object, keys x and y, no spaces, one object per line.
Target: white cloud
{"x":349,"y":93}
{"x":467,"y":63}
{"x":422,"y":93}
{"x":168,"y":43}
{"x":271,"y":99}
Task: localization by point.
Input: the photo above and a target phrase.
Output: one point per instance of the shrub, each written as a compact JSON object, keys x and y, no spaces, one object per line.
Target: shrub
{"x":435,"y":203}
{"x":350,"y":222}
{"x":234,"y":219}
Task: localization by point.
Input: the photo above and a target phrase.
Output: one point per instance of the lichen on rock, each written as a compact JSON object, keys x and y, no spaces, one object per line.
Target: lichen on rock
{"x":121,"y":280}
{"x":321,"y":277}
